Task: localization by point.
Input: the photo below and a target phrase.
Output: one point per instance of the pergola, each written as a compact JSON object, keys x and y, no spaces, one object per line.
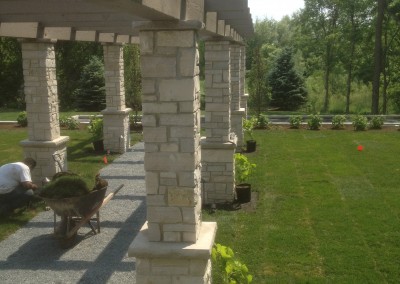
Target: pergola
{"x":174,"y":244}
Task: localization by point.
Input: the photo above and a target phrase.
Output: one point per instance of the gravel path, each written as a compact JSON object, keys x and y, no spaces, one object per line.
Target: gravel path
{"x":33,"y":255}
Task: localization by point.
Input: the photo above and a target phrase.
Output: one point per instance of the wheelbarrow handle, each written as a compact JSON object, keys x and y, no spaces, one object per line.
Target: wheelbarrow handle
{"x":111,"y":195}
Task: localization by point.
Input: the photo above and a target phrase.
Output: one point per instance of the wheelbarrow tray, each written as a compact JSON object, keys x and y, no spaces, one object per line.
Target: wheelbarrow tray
{"x":79,"y":206}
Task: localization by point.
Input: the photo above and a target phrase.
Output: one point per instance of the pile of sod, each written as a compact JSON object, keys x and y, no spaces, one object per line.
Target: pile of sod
{"x":65,"y":186}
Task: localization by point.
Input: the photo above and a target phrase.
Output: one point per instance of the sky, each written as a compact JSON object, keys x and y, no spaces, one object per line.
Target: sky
{"x":274,"y":9}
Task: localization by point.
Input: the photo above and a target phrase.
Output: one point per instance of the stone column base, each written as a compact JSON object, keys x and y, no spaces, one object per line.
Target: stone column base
{"x":42,"y":152}
{"x":116,"y":131}
{"x":218,"y":175}
{"x":167,"y":263}
{"x":237,"y":126}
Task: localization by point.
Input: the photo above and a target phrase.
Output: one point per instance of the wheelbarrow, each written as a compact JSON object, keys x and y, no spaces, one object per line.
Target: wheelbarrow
{"x":76,"y":212}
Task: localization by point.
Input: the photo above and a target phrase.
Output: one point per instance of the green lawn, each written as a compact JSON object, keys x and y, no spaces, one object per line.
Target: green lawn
{"x":326,"y":213}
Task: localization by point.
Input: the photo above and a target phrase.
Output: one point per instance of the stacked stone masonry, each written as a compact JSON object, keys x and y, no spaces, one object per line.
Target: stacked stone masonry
{"x":218,"y":91}
{"x":237,"y":112}
{"x":171,"y":130}
{"x":116,"y":116}
{"x":40,"y":86}
{"x":219,"y":145}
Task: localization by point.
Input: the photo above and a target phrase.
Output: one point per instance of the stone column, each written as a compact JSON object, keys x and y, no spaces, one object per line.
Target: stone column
{"x":219,"y":145}
{"x":236,"y":86}
{"x":243,"y":96}
{"x":40,"y":87}
{"x":174,"y":245}
{"x":116,"y":128}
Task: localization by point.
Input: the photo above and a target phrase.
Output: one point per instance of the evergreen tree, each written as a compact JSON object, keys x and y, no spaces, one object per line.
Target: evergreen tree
{"x":91,"y":94}
{"x":132,"y":77}
{"x":287,"y":86}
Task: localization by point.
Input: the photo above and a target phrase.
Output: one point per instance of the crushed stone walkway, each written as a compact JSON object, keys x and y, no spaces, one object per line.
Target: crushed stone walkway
{"x":33,"y":255}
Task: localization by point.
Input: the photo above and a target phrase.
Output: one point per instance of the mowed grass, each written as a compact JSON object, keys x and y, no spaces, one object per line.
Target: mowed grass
{"x":326,"y":212}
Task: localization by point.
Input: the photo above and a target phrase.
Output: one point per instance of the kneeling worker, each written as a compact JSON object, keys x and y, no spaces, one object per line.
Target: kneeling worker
{"x":16,"y":186}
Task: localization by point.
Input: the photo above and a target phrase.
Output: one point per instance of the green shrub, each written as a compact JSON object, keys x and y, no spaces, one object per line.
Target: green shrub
{"x":65,"y":186}
{"x":229,"y":269}
{"x":249,"y":125}
{"x":377,"y":122}
{"x":360,"y":122}
{"x":314,"y":122}
{"x":338,"y":121}
{"x":263,"y":121}
{"x":22,"y":119}
{"x":96,"y":128}
{"x":243,"y":168}
{"x":69,"y":122}
{"x":295,"y":121}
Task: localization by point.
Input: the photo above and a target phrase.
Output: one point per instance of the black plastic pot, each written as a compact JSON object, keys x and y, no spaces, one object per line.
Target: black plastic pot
{"x":98,"y":146}
{"x":243,"y":192}
{"x":251,"y":146}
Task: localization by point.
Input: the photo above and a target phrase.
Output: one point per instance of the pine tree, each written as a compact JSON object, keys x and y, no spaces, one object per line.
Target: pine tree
{"x":91,"y":95}
{"x":287,"y":86}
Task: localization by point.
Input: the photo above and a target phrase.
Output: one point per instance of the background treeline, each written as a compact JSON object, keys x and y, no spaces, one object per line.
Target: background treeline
{"x":80,"y":75}
{"x":348,"y":53}
{"x":332,"y":56}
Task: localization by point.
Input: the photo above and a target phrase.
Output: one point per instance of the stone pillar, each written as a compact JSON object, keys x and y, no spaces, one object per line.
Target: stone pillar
{"x":243,"y":96}
{"x":116,"y":128}
{"x":236,"y":86}
{"x":40,"y":87}
{"x":174,"y":246}
{"x":219,"y":145}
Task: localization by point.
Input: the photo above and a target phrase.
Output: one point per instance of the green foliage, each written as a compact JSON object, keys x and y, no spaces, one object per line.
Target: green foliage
{"x":257,"y":83}
{"x":287,"y":87}
{"x":22,"y":119}
{"x":91,"y":94}
{"x":71,"y":57}
{"x":69,"y":122}
{"x":249,"y":125}
{"x":95,"y":127}
{"x":338,"y":121}
{"x":231,"y":270}
{"x":314,"y":122}
{"x":295,"y":121}
{"x":376,"y":122}
{"x":263,"y":121}
{"x":65,"y":187}
{"x":11,"y":77}
{"x":132,"y":77}
{"x":134,"y":119}
{"x":243,"y":168}
{"x":360,"y":122}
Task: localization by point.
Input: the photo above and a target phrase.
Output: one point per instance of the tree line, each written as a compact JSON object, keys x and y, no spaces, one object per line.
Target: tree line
{"x":347,"y":52}
{"x":332,"y":56}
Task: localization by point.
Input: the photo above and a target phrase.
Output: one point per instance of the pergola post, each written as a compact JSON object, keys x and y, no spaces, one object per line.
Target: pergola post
{"x":40,"y":87}
{"x":174,"y":245}
{"x":116,"y":115}
{"x":236,"y":86}
{"x":243,"y":96}
{"x":219,"y":145}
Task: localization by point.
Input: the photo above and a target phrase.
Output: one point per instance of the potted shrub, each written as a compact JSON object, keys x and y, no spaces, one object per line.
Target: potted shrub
{"x":248,"y":127}
{"x":243,"y":170}
{"x":96,"y":129}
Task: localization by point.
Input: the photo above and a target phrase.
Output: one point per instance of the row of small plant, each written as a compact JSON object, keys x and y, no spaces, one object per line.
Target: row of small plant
{"x":359,"y":122}
{"x":65,"y":121}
